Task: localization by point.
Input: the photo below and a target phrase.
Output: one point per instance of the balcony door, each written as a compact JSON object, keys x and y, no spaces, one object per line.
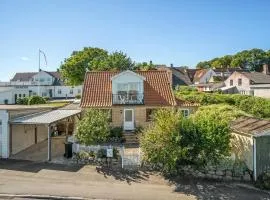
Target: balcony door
{"x":128,"y":119}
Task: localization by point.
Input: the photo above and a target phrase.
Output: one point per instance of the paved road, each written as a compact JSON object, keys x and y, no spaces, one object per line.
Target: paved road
{"x":25,"y":177}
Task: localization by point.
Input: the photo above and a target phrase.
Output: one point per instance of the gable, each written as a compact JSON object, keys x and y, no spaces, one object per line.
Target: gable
{"x":128,"y":76}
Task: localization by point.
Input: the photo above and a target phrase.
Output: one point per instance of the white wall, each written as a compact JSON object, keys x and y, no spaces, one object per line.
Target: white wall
{"x":127,"y":77}
{"x":43,"y":78}
{"x":262,"y":92}
{"x":4,"y":117}
{"x":206,"y":77}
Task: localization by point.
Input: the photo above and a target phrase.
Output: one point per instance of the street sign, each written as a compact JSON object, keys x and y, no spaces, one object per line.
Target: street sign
{"x":109,"y":153}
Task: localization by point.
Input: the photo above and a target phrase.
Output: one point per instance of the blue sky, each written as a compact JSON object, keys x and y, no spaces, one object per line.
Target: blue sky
{"x":175,"y":31}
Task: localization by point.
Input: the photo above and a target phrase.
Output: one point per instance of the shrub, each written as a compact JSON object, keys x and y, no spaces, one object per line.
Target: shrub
{"x":172,"y":140}
{"x":116,"y":132}
{"x":22,"y":101}
{"x":46,"y":98}
{"x":102,"y":153}
{"x":263,"y":181}
{"x":78,"y":96}
{"x":36,"y":100}
{"x":93,"y":128}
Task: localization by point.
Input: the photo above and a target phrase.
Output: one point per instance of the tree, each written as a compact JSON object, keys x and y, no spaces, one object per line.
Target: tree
{"x":144,"y":66}
{"x":117,"y":61}
{"x":203,"y":65}
{"x":73,"y":69}
{"x":252,"y":59}
{"x":94,"y":127}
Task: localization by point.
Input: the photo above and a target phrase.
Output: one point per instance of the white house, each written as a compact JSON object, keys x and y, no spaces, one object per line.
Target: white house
{"x":249,"y":83}
{"x":42,"y":83}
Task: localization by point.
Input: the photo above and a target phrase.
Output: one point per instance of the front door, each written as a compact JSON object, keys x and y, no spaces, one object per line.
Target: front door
{"x":128,"y":119}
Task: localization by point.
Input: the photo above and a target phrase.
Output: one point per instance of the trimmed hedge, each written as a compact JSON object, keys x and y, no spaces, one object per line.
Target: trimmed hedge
{"x":36,"y":100}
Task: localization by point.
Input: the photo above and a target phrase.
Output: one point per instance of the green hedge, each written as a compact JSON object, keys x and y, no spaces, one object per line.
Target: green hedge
{"x":256,"y":106}
{"x":36,"y":100}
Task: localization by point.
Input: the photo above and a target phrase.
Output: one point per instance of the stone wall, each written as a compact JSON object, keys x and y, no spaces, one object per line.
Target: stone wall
{"x":218,"y":173}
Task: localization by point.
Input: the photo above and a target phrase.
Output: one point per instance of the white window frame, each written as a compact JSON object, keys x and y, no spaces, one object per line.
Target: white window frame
{"x":183,"y":111}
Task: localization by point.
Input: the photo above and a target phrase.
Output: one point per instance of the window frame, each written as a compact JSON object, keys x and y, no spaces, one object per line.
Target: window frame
{"x":239,"y":82}
{"x":183,"y":111}
{"x":231,"y":82}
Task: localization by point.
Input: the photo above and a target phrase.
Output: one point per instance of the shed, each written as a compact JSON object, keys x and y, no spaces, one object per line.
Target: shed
{"x":251,"y":143}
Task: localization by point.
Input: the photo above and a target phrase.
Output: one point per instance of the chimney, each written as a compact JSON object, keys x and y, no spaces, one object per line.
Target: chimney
{"x":171,"y":65}
{"x":265,"y":69}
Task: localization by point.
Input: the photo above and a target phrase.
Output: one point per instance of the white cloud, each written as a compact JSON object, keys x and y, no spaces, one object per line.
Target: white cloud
{"x":23,"y":58}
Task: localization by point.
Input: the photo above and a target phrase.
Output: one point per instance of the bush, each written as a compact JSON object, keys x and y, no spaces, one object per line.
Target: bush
{"x":116,"y":132}
{"x":78,"y":96}
{"x":46,"y":98}
{"x":22,"y":101}
{"x":36,"y":100}
{"x":172,"y":140}
{"x":102,"y":153}
{"x":93,"y":128}
{"x":263,"y":181}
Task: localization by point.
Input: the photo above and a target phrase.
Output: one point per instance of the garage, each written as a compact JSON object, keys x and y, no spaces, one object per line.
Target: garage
{"x":41,"y":136}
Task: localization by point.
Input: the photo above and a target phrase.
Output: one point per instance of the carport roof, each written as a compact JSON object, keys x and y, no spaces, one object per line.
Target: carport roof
{"x":48,"y":117}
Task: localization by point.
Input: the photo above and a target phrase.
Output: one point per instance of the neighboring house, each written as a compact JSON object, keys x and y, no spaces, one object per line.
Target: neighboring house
{"x":131,"y":97}
{"x":203,"y":76}
{"x":179,"y":75}
{"x":250,"y":143}
{"x":43,"y":83}
{"x":248,"y":83}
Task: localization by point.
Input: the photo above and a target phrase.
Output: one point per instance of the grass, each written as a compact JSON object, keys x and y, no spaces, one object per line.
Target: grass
{"x":56,"y":104}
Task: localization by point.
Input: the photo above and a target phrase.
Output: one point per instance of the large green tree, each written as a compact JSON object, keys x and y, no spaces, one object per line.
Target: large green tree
{"x":252,"y":59}
{"x":114,"y":61}
{"x":73,"y":69}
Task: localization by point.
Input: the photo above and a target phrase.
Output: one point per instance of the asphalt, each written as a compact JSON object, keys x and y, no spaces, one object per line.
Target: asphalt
{"x":32,"y":180}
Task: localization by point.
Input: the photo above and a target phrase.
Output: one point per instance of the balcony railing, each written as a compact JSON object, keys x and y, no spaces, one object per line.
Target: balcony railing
{"x":128,"y":98}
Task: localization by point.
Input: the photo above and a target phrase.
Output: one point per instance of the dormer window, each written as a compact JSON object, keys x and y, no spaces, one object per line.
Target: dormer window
{"x":127,"y":88}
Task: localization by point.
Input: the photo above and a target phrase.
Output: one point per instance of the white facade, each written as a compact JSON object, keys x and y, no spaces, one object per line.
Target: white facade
{"x":41,"y":83}
{"x":4,"y":134}
{"x":206,"y":77}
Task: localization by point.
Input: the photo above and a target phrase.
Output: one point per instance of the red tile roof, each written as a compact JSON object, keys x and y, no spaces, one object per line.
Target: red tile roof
{"x":97,"y":90}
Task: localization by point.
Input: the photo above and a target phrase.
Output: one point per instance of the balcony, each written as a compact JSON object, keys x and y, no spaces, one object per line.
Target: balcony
{"x":128,"y":98}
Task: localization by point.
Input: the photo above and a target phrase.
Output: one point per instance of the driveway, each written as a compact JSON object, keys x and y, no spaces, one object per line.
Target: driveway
{"x":26,"y":177}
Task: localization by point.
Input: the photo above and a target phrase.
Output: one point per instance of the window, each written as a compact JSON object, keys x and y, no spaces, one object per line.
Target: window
{"x":41,"y":80}
{"x":239,"y":82}
{"x":185,"y":112}
{"x":149,"y":114}
{"x":59,"y":91}
{"x":71,"y":91}
{"x":79,"y":91}
{"x":23,"y":95}
{"x":20,"y":95}
{"x":0,"y":122}
{"x":231,"y":82}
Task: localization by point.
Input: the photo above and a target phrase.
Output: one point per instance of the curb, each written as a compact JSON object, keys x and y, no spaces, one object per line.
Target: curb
{"x":30,"y":196}
{"x":251,"y":188}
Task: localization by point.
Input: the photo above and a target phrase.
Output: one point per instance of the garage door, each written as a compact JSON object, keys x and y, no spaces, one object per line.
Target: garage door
{"x":0,"y":138}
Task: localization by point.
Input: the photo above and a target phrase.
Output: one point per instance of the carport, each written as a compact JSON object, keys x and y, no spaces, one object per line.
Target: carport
{"x":49,"y":119}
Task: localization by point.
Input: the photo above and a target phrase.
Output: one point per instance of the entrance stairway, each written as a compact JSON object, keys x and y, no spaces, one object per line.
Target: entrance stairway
{"x":131,"y":138}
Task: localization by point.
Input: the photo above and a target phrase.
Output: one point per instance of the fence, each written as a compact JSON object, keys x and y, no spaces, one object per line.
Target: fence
{"x":130,"y":157}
